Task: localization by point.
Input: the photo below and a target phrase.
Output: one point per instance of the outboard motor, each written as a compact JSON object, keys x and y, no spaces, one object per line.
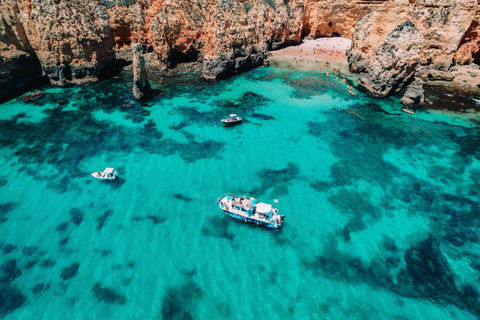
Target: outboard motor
{"x":282,"y":217}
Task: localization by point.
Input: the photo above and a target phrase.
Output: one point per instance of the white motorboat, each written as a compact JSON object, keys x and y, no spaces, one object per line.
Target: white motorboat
{"x":107,"y":174}
{"x":234,"y":119}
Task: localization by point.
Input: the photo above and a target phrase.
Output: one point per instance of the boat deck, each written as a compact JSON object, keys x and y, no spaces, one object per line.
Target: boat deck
{"x":241,"y":207}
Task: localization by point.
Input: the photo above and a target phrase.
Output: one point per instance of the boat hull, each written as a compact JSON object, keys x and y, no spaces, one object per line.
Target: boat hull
{"x":231,"y":123}
{"x":100,"y":177}
{"x":253,"y":221}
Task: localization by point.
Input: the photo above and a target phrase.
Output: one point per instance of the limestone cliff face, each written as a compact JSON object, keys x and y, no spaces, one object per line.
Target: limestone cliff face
{"x":442,"y":25}
{"x":228,"y":35}
{"x":74,"y":40}
{"x":71,"y":40}
{"x":19,"y":65}
{"x":394,"y":61}
{"x":335,"y":18}
{"x":469,"y":49}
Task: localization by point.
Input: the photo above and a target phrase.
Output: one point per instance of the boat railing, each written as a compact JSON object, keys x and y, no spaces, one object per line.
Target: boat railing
{"x":236,"y":196}
{"x":274,"y":206}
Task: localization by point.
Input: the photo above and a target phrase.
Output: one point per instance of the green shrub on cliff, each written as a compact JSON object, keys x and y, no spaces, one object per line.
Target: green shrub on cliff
{"x":403,"y":25}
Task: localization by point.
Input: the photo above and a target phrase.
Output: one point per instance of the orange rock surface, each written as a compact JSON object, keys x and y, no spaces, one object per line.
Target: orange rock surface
{"x":74,"y":40}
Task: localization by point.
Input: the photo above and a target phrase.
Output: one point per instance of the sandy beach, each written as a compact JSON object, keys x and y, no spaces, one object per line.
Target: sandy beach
{"x":328,"y":55}
{"x":323,"y":55}
{"x":322,"y":49}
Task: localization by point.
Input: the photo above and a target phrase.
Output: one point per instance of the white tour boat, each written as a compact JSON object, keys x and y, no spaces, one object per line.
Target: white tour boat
{"x":249,"y":210}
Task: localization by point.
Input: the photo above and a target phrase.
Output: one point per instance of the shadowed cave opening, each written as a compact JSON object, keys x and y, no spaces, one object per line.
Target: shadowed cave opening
{"x":176,"y":57}
{"x":305,"y":32}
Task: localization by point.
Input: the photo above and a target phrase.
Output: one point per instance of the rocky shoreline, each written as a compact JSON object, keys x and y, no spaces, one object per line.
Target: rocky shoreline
{"x":395,"y":44}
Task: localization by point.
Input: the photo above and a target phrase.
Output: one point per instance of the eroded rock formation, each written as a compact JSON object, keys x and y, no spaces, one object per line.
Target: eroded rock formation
{"x":141,"y":86}
{"x":394,"y":61}
{"x":19,"y":65}
{"x":387,"y":58}
{"x":73,"y":41}
{"x":69,"y":41}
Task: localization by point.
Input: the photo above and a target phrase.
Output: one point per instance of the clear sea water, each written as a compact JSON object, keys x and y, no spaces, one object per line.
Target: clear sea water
{"x":382,"y":208}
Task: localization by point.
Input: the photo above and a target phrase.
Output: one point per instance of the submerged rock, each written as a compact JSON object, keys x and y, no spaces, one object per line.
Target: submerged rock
{"x":9,"y":271}
{"x":108,"y":295}
{"x":47,"y":263}
{"x":39,"y":287}
{"x":76,"y":216}
{"x":429,"y":269}
{"x":32,"y":96}
{"x":70,"y":271}
{"x":141,"y":86}
{"x":11,"y":298}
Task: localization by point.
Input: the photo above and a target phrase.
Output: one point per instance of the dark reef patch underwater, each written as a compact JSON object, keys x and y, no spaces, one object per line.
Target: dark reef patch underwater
{"x":382,"y":207}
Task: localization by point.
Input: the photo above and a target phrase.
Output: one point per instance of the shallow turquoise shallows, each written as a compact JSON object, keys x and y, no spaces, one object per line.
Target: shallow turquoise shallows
{"x":382,"y":207}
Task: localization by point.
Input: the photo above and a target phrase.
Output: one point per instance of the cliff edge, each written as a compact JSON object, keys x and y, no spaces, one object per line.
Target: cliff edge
{"x":74,"y":42}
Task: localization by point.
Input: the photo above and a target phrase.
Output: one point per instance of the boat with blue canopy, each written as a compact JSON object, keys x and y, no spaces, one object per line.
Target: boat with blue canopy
{"x":250,"y":210}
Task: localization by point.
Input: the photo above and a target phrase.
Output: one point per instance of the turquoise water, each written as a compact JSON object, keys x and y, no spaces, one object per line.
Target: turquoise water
{"x":382,"y":207}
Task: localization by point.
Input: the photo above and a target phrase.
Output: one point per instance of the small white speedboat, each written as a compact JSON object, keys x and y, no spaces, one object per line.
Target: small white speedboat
{"x":234,"y":119}
{"x":107,"y":174}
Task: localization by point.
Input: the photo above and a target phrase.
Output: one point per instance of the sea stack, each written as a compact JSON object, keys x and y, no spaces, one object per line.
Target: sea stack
{"x":141,"y":86}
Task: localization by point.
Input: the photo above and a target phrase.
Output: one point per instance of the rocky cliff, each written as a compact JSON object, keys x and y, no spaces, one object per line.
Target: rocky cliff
{"x":69,"y":41}
{"x":404,"y":37}
{"x":19,"y":65}
{"x":73,"y":41}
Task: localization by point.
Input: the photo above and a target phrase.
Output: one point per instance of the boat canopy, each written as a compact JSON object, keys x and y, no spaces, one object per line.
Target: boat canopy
{"x":108,"y":170}
{"x":263,"y":207}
